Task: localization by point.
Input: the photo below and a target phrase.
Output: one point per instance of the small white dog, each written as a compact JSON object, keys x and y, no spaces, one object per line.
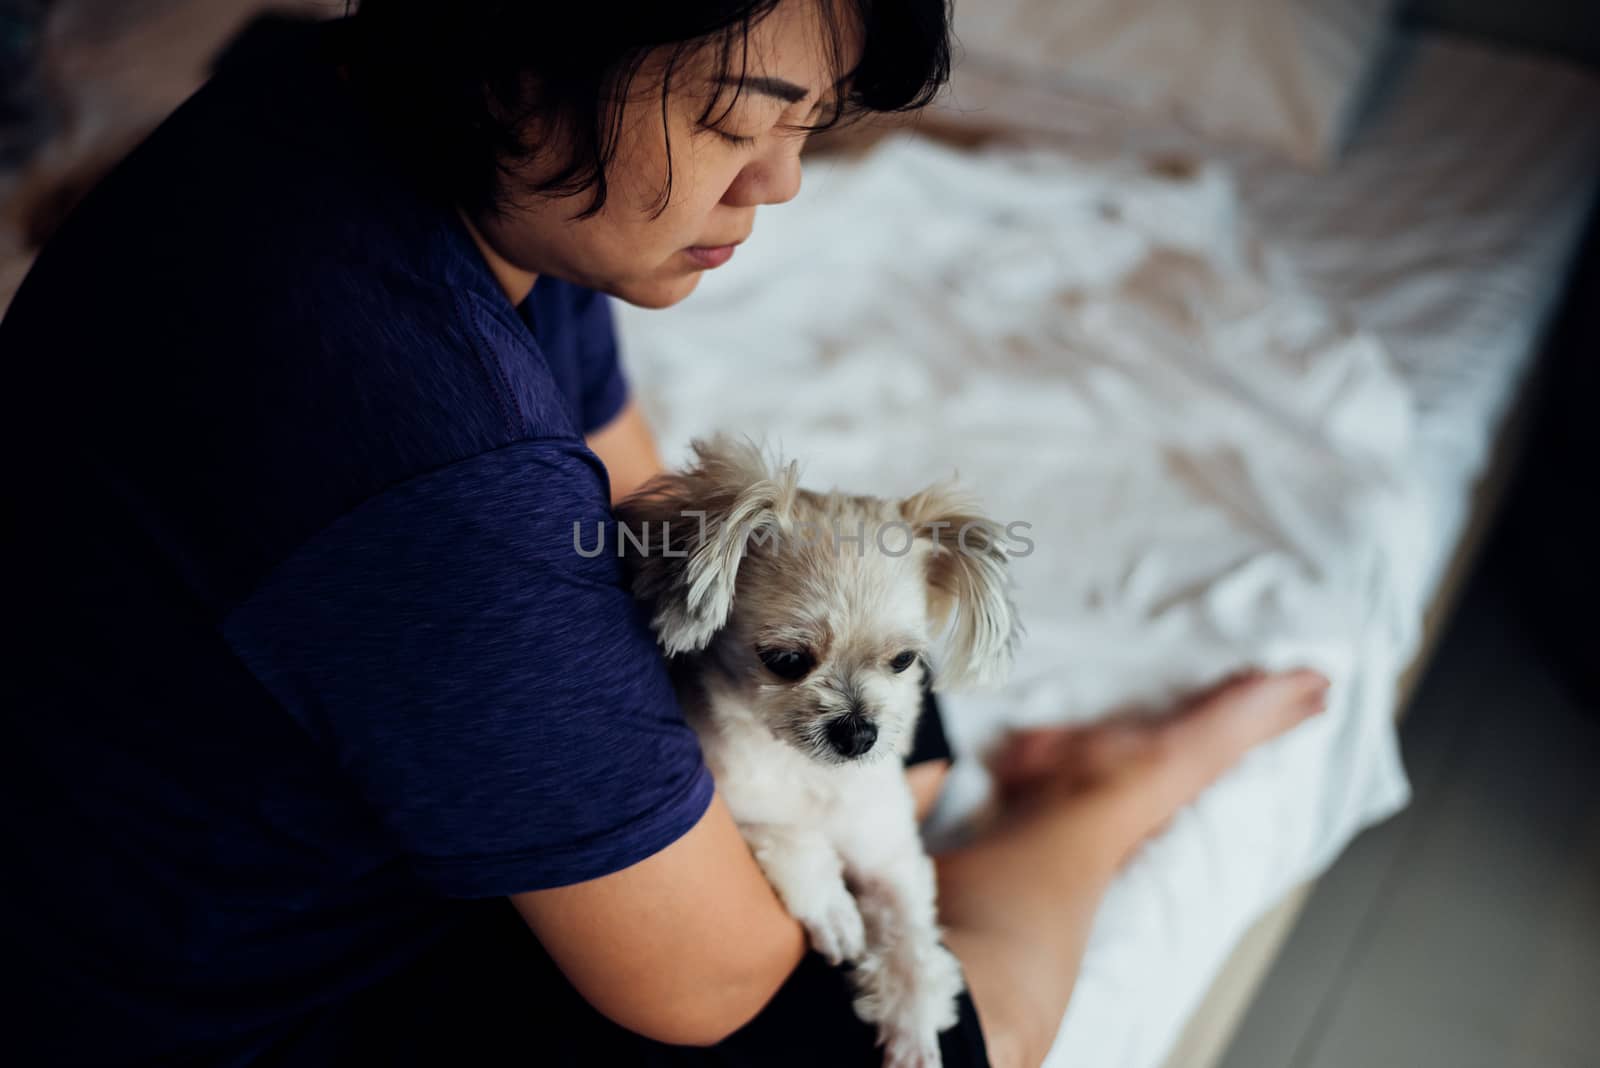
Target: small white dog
{"x":802,"y":624}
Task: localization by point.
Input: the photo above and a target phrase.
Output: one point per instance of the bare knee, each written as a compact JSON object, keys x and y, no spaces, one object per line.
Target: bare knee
{"x":1009,"y":982}
{"x":1005,"y":1050}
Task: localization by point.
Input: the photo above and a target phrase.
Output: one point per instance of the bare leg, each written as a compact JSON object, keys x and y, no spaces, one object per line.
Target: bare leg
{"x":1018,"y":902}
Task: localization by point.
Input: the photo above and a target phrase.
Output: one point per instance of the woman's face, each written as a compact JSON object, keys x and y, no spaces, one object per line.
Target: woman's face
{"x":650,"y":255}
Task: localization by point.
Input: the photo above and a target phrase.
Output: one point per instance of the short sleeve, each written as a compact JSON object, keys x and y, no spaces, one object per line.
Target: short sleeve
{"x":480,"y":674}
{"x":603,"y":386}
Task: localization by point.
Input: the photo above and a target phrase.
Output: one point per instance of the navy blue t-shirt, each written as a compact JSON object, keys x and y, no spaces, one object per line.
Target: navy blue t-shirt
{"x":305,"y":649}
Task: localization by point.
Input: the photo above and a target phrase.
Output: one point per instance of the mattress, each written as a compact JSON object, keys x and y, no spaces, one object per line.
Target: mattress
{"x":1240,"y":407}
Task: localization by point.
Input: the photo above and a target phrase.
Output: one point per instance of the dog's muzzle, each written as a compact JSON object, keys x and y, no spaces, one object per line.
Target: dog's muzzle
{"x":852,"y":735}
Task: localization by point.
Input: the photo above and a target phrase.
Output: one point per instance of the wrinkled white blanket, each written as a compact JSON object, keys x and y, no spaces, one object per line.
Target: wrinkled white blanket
{"x":1212,"y":464}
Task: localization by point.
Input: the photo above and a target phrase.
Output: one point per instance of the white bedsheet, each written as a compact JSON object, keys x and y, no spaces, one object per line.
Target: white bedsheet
{"x":1447,"y":232}
{"x":1219,"y":467}
{"x":1445,"y":229}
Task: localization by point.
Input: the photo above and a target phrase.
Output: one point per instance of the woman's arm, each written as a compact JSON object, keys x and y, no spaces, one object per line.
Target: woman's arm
{"x":628,"y":449}
{"x":684,"y":947}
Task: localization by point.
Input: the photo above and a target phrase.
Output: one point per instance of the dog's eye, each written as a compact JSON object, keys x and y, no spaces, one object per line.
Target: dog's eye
{"x":902,"y":661}
{"x":791,"y":664}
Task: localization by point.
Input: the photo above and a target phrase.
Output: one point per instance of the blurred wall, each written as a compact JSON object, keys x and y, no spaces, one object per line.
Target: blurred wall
{"x":1568,"y":27}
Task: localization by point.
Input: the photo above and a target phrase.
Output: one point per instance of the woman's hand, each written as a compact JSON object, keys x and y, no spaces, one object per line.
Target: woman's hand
{"x":926,"y":780}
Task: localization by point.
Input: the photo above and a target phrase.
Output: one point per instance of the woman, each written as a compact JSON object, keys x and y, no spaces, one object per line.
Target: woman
{"x":307,"y":397}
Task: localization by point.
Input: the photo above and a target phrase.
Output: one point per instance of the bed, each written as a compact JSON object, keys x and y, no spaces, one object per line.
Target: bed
{"x":1254,"y":413}
{"x":1461,"y":295}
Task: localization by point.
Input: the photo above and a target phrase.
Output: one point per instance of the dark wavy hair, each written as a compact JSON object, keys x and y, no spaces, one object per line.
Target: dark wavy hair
{"x":456,"y":82}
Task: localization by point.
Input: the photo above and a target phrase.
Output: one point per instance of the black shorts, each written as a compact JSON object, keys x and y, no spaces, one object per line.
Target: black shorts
{"x":490,"y":996}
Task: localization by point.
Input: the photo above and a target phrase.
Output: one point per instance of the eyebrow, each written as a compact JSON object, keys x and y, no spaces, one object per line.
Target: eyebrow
{"x":788,"y":92}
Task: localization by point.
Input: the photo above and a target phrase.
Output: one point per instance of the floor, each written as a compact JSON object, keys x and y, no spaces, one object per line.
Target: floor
{"x":1465,"y":933}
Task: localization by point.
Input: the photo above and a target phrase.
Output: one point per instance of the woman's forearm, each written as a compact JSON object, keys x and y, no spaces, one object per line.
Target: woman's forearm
{"x":628,"y":449}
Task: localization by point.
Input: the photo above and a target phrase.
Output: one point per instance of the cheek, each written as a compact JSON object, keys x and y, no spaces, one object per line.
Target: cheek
{"x":690,"y":219}
{"x":699,"y":171}
{"x":704,"y":174}
{"x":795,"y":713}
{"x":820,"y":696}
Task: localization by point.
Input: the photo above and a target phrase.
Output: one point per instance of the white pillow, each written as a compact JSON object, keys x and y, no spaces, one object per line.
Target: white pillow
{"x":1285,"y":74}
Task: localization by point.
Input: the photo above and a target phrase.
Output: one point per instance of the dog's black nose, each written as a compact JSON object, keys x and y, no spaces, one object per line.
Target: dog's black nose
{"x":852,"y":736}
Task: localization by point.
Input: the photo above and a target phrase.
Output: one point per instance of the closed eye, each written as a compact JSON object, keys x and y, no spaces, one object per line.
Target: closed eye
{"x":790,"y":664}
{"x":902,"y":661}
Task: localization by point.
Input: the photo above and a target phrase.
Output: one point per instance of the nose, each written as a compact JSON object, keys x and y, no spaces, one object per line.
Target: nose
{"x":773,"y":179}
{"x":852,"y":735}
{"x":782,"y":180}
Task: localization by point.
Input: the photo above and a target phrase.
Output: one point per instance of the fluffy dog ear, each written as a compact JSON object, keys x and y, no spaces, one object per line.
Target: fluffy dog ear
{"x":685,"y":533}
{"x":967,"y":584}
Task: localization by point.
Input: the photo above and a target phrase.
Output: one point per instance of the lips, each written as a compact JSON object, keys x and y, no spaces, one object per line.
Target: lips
{"x":708,"y":256}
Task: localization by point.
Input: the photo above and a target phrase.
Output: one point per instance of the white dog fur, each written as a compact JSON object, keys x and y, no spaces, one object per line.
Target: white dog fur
{"x":801,"y":625}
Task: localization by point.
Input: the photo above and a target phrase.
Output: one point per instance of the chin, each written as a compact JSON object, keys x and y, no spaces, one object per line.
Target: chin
{"x":657,"y":293}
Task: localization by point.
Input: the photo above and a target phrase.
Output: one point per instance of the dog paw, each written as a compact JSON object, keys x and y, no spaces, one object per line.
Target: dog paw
{"x":911,"y":1000}
{"x":835,"y":928}
{"x":915,"y":993}
{"x":911,"y":1049}
{"x":942,"y":983}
